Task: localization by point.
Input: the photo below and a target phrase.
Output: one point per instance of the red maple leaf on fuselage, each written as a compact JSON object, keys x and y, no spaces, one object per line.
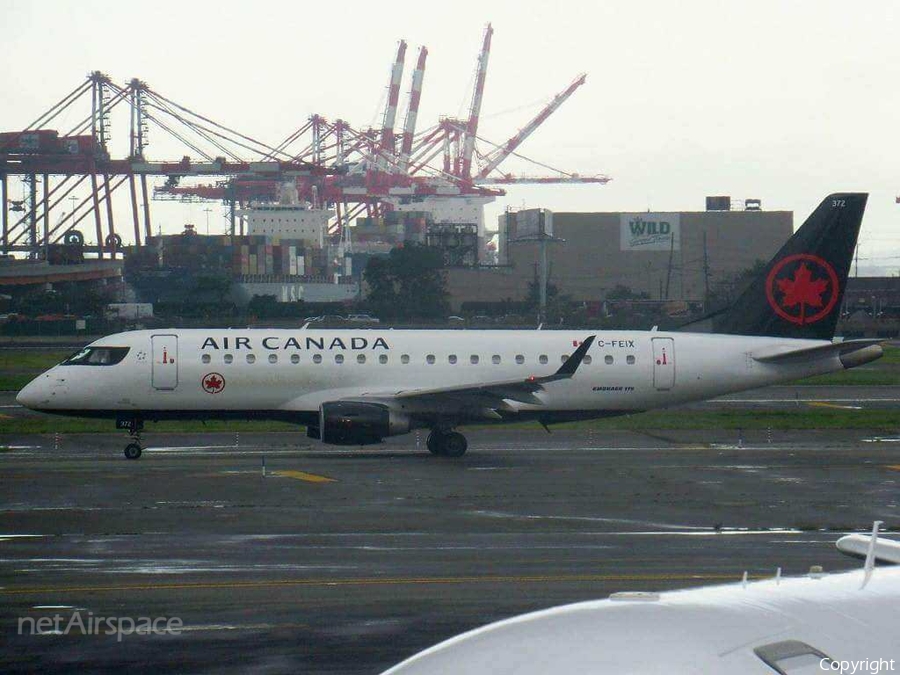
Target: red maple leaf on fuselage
{"x":802,"y":289}
{"x":213,"y":382}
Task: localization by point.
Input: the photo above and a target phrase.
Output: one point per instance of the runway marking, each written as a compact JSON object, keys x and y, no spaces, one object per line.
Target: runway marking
{"x":302,"y":475}
{"x":823,"y":404}
{"x":385,"y":581}
{"x":247,"y":626}
{"x":802,"y":400}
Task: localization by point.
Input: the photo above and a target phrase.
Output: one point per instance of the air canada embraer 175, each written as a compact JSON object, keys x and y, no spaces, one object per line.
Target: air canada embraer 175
{"x":357,"y":387}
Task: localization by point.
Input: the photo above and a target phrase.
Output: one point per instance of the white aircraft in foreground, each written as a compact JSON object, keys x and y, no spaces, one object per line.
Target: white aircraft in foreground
{"x":841,"y":623}
{"x":356,"y":387}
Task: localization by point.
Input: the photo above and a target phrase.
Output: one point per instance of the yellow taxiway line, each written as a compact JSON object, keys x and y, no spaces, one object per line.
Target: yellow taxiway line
{"x":302,"y":475}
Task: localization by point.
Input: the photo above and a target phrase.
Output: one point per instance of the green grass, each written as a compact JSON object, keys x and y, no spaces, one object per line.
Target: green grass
{"x":883,"y":372}
{"x":75,"y":425}
{"x":18,"y":367}
{"x":803,"y":417}
{"x":15,"y":382}
{"x":30,"y":359}
{"x":858,"y":377}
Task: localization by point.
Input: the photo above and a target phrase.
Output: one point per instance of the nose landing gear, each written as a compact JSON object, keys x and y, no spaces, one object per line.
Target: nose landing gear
{"x":134,"y":426}
{"x":445,"y":443}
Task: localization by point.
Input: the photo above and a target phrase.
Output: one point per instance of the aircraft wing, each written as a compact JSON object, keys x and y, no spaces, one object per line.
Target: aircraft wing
{"x":488,"y":393}
{"x":840,"y":349}
{"x":857,"y":545}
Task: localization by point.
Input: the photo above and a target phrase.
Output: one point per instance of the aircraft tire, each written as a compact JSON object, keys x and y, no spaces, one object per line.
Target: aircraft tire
{"x":455,"y":444}
{"x":436,"y":442}
{"x":132,"y":451}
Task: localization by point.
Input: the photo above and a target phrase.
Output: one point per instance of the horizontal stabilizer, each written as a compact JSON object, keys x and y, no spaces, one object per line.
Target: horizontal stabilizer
{"x":851,"y":352}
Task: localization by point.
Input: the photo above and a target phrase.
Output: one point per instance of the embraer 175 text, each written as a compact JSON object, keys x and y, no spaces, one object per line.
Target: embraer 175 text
{"x":354,"y":387}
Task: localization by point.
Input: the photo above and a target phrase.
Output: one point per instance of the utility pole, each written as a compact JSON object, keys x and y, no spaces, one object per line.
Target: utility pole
{"x":671,"y":255}
{"x":543,"y":236}
{"x":705,"y":273}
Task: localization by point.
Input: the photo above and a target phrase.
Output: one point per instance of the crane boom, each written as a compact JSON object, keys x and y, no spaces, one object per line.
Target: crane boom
{"x":412,"y":112}
{"x":545,"y":180}
{"x":390,"y":108}
{"x":465,"y":170}
{"x":501,"y":153}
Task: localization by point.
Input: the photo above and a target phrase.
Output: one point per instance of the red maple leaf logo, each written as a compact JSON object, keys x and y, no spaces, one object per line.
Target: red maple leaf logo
{"x":803,"y":290}
{"x":213,"y":383}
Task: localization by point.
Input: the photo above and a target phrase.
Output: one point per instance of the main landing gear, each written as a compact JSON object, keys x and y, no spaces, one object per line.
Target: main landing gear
{"x":444,"y":443}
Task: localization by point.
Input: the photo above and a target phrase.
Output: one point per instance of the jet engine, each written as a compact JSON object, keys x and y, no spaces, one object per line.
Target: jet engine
{"x":355,"y":423}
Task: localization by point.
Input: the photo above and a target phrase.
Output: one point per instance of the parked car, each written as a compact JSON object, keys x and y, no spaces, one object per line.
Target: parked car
{"x":363,"y":318}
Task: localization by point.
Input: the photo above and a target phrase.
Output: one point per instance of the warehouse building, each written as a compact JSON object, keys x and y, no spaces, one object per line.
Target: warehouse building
{"x":665,"y":255}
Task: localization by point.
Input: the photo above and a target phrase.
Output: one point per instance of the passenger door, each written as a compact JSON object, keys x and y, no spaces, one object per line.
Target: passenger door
{"x":663,"y":363}
{"x":165,"y":362}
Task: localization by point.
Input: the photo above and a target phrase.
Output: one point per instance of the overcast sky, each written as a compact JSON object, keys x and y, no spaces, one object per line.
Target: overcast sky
{"x":782,"y":101}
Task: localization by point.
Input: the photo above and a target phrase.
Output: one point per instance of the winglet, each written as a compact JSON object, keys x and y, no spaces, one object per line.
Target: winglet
{"x":571,"y":365}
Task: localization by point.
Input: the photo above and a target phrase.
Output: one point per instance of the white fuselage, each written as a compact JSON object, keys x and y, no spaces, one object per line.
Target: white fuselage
{"x":294,"y":371}
{"x":800,"y":625}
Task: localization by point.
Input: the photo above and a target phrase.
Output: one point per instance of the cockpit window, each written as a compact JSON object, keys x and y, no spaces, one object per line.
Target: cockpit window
{"x":97,"y":356}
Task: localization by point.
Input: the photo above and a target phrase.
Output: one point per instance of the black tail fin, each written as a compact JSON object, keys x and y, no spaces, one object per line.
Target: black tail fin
{"x":799,"y":294}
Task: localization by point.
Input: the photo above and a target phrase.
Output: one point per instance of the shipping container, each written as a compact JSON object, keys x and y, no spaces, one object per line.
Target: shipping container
{"x":77,"y":145}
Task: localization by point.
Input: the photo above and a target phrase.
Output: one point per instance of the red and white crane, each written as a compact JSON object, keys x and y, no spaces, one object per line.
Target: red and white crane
{"x":368,"y":171}
{"x":465,"y":169}
{"x":412,"y":111}
{"x":493,"y":160}
{"x":390,"y":111}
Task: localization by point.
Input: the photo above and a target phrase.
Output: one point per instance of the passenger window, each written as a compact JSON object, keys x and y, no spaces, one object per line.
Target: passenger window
{"x":473,"y":358}
{"x":205,"y":358}
{"x":495,"y":359}
{"x":520,"y":359}
{"x":382,"y":358}
{"x":251,"y":358}
{"x":587,"y":360}
{"x":229,"y":358}
{"x":273,"y":358}
{"x":629,"y":360}
{"x":295,"y":358}
{"x":452,"y":358}
{"x":563,"y":358}
{"x":317,"y":358}
{"x":430,"y":358}
{"x":404,"y":358}
{"x":608,"y":359}
{"x":543,"y":359}
{"x":338,"y":358}
{"x":360,"y":358}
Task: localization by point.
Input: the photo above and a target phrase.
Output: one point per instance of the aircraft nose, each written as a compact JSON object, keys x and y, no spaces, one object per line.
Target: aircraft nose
{"x":31,"y":394}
